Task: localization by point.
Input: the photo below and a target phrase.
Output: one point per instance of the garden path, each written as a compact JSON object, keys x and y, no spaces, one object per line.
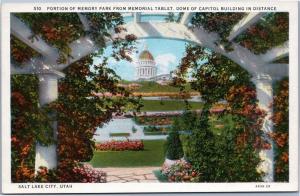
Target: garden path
{"x":133,"y":174}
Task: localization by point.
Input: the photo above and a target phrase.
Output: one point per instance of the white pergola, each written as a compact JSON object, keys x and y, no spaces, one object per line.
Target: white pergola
{"x":264,"y":72}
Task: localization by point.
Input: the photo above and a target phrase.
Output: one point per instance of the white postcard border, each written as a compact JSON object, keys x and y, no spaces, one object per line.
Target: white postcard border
{"x":8,"y":187}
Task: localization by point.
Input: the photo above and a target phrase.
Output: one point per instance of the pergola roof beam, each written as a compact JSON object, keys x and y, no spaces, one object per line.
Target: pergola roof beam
{"x":84,"y":21}
{"x":275,"y":53}
{"x":245,"y":23}
{"x":35,"y":68}
{"x":22,"y":32}
{"x":240,"y":55}
{"x":80,"y":48}
{"x":186,"y":18}
{"x":275,"y":70}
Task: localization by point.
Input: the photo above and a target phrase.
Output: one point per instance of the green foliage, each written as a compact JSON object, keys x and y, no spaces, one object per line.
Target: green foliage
{"x":160,"y":176}
{"x":232,"y":154}
{"x":185,"y":124}
{"x":281,"y":129}
{"x":134,"y":130}
{"x":61,"y":29}
{"x":173,"y":145}
{"x":212,"y":74}
{"x":218,"y":122}
{"x":58,"y":29}
{"x":80,"y":111}
{"x":201,"y":149}
{"x":20,"y":52}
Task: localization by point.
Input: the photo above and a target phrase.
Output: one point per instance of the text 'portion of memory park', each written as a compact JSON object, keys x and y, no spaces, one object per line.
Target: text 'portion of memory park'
{"x":150,"y":97}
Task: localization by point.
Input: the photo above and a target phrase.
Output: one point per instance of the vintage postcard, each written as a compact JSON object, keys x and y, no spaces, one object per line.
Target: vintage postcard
{"x":180,"y":97}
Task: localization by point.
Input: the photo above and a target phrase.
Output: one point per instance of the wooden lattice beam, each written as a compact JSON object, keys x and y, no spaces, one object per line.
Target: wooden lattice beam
{"x":245,"y":23}
{"x":22,"y":32}
{"x":275,"y":53}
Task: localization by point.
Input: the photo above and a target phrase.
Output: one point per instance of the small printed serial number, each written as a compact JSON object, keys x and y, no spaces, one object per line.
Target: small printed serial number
{"x":262,"y":186}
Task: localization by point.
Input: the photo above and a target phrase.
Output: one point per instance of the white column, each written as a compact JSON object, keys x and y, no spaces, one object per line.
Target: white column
{"x":48,"y":92}
{"x":137,"y":17}
{"x":264,"y":92}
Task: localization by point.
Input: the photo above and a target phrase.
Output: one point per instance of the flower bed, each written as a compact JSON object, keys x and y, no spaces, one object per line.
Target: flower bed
{"x":120,"y":146}
{"x":181,"y":171}
{"x":83,"y":173}
{"x":89,"y":175}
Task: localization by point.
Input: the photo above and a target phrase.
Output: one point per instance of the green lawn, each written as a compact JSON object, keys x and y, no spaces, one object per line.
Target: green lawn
{"x":152,"y":155}
{"x":217,"y":124}
{"x":167,"y":105}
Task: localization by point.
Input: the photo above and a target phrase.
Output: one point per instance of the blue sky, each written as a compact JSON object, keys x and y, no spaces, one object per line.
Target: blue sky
{"x":167,"y":54}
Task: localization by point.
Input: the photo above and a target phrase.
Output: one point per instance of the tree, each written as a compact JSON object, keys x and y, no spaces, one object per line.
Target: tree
{"x":233,"y":156}
{"x":201,"y":147}
{"x":173,"y":145}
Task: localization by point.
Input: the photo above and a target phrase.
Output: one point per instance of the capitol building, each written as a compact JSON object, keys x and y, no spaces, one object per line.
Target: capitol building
{"x":146,"y":69}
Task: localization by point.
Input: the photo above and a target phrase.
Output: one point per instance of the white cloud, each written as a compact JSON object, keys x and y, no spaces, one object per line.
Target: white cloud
{"x":111,"y":60}
{"x":164,"y":62}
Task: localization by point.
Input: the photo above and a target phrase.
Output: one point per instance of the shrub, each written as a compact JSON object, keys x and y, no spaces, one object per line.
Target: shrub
{"x":181,"y":171}
{"x":134,"y":130}
{"x":120,"y":146}
{"x":173,"y":146}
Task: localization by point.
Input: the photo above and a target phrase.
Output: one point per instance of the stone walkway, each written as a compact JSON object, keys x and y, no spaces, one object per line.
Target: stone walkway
{"x":137,"y":174}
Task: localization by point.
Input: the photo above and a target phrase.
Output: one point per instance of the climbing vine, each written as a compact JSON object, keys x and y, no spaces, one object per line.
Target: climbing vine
{"x":61,"y":29}
{"x":29,"y":123}
{"x":82,"y":104}
{"x":271,"y":31}
{"x":281,"y":130}
{"x":57,"y":29}
{"x":20,"y":52}
{"x":218,"y":22}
